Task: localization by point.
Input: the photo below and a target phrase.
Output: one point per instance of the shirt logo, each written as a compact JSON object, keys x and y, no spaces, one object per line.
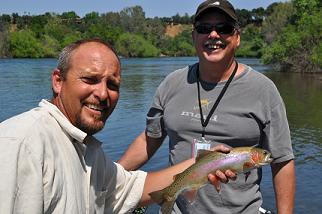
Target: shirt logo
{"x":205,"y":104}
{"x":216,"y":3}
{"x":195,"y":113}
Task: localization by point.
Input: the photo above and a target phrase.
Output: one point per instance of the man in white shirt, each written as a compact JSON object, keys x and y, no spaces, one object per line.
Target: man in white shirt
{"x":49,"y":160}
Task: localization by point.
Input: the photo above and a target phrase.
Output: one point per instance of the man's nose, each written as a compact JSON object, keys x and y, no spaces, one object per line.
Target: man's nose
{"x":213,"y":34}
{"x":101,"y":91}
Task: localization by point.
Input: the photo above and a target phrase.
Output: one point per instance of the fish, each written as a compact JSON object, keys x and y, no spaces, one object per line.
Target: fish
{"x":239,"y":160}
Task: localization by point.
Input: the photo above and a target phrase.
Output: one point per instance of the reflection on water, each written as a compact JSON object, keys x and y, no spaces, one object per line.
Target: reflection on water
{"x":24,"y":82}
{"x":302,"y":96}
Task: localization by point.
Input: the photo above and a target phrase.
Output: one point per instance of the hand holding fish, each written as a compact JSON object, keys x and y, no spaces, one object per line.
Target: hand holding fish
{"x":221,"y":176}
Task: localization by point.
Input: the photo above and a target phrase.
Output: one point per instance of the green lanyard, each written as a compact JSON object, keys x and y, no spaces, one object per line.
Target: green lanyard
{"x":204,"y":122}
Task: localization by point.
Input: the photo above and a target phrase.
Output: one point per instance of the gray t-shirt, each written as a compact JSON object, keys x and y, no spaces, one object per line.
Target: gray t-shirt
{"x":251,"y":112}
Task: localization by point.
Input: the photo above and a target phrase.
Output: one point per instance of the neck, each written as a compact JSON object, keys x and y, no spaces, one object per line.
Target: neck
{"x":216,"y":72}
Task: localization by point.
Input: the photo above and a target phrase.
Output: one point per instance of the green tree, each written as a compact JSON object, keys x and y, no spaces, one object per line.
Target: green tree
{"x":4,"y":37}
{"x":251,"y":43}
{"x":105,"y":32}
{"x":270,"y":9}
{"x":244,"y":17}
{"x":317,"y":54}
{"x":5,"y":19}
{"x":132,"y":45}
{"x":298,"y":46}
{"x":14,"y":16}
{"x":132,"y":19}
{"x":181,"y":45}
{"x":37,"y":24}
{"x":278,"y":19}
{"x":111,"y":19}
{"x":23,"y":44}
{"x":91,"y":18}
{"x":57,"y":30}
{"x":50,"y":46}
{"x":154,"y":31}
{"x":71,"y":37}
{"x":306,"y":7}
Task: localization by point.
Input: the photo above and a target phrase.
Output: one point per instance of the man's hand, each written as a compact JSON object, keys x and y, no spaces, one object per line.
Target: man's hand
{"x":220,"y":176}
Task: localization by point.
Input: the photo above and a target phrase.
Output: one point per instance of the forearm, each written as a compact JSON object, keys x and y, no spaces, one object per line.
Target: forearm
{"x":136,"y":154}
{"x":161,"y":179}
{"x":140,"y":151}
{"x":284,"y":186}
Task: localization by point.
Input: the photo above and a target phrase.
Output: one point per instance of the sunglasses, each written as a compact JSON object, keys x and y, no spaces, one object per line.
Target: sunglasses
{"x":220,"y":28}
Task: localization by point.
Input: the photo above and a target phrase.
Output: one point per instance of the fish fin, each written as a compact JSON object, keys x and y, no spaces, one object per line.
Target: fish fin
{"x":190,"y":195}
{"x":163,"y":200}
{"x":157,"y":196}
{"x":247,"y":175}
{"x":202,"y":153}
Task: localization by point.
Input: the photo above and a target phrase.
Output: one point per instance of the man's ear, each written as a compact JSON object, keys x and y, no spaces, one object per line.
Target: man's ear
{"x":193,"y":34}
{"x":238,"y":38}
{"x":56,"y":80}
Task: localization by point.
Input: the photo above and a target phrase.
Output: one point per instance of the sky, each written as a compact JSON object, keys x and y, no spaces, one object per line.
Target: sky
{"x":152,"y":8}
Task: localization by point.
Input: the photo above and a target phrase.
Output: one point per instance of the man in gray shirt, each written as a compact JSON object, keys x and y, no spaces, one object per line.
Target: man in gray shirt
{"x":219,"y":101}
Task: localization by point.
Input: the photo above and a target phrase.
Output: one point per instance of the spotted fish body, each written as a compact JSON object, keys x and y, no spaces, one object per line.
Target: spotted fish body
{"x":238,"y":160}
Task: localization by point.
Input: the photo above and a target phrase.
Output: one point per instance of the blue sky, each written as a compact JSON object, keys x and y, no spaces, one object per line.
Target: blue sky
{"x":152,"y":8}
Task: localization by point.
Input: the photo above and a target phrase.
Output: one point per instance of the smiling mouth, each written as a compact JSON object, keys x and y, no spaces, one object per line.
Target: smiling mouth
{"x":96,"y":107}
{"x":214,"y":45}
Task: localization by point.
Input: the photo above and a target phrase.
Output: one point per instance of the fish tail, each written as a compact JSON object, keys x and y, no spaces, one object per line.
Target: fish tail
{"x":167,"y":206}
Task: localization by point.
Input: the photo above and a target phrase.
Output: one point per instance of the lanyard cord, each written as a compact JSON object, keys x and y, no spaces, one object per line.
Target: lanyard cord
{"x":203,"y":122}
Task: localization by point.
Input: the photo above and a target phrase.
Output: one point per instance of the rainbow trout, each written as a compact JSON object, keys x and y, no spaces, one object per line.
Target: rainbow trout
{"x":239,"y":160}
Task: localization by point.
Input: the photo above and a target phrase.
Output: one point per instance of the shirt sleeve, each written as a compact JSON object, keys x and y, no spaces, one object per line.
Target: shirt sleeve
{"x":21,"y":178}
{"x":278,"y":135}
{"x":154,"y":123}
{"x":154,"y":119}
{"x":125,"y":188}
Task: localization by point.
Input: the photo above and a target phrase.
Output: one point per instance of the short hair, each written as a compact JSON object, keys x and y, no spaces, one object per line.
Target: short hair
{"x":65,"y":55}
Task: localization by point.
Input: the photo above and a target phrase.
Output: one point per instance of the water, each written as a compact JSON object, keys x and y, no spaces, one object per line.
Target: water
{"x":23,"y":82}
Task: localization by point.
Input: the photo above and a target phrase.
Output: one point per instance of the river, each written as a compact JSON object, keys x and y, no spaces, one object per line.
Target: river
{"x":23,"y":82}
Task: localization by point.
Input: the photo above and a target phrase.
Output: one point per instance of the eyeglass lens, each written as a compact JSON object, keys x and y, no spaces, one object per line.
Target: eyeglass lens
{"x":221,"y":28}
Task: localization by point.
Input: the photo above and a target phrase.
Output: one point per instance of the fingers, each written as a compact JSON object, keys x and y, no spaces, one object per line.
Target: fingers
{"x":220,"y":177}
{"x":221,"y":148}
{"x":223,"y":177}
{"x":226,"y":176}
{"x":231,"y":175}
{"x":213,"y":179}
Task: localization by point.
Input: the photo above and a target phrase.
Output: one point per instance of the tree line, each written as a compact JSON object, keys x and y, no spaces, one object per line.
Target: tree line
{"x":285,"y":34}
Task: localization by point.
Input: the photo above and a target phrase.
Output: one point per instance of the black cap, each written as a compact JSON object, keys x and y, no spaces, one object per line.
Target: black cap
{"x":223,"y":5}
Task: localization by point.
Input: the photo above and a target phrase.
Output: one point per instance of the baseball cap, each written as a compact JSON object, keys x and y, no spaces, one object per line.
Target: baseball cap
{"x":223,"y":5}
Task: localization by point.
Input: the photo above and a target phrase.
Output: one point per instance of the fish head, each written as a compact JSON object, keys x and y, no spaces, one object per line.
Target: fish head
{"x":260,"y":157}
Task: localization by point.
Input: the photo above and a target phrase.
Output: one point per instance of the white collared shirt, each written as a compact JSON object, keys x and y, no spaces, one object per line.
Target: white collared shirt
{"x":50,"y":166}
